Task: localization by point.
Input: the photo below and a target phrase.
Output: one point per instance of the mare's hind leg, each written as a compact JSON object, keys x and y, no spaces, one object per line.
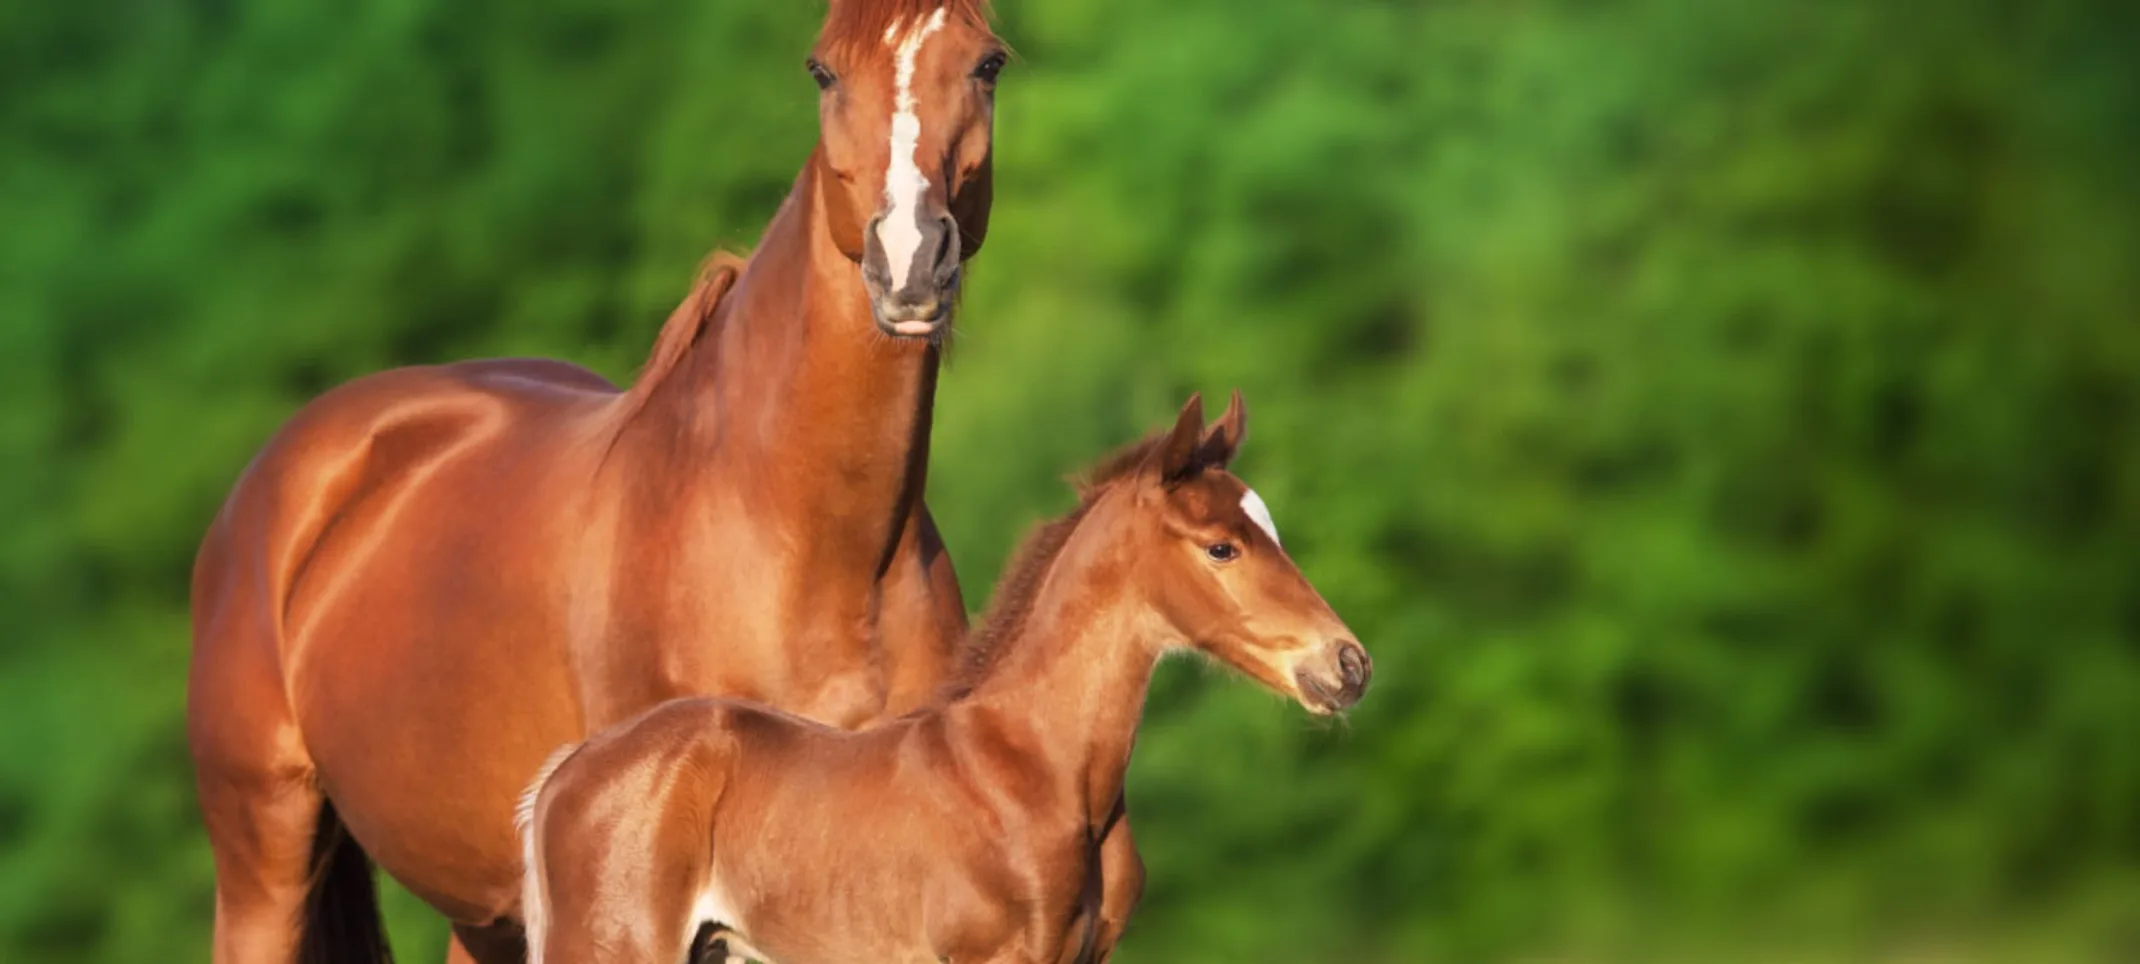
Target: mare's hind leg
{"x":259,"y":795}
{"x":261,"y":834}
{"x":262,"y":810}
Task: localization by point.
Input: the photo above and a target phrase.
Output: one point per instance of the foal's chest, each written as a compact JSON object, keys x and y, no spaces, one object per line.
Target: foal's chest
{"x":1044,"y":900}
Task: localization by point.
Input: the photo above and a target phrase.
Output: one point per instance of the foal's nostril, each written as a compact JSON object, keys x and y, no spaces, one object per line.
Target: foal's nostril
{"x":1353,"y":665}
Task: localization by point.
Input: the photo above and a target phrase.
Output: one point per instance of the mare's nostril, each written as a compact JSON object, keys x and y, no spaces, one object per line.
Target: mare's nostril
{"x":946,"y":245}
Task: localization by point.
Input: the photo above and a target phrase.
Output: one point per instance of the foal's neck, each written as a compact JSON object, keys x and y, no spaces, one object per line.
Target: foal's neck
{"x":792,"y":392}
{"x":1068,"y":687}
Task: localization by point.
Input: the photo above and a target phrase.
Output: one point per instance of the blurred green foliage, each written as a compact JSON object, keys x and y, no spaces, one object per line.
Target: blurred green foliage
{"x":1722,"y":420}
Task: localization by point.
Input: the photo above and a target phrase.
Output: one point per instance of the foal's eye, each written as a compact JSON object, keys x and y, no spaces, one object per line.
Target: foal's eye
{"x":1222,"y":551}
{"x":819,"y":73}
{"x":989,"y":67}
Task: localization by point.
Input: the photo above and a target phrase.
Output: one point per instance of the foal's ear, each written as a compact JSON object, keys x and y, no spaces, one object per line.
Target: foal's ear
{"x":1223,"y":438}
{"x":1180,"y":454}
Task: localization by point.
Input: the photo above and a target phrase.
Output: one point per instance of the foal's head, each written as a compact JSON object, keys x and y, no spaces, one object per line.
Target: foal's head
{"x":1203,"y":550}
{"x":907,"y":107}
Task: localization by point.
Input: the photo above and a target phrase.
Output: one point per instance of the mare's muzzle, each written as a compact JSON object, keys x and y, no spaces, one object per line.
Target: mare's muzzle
{"x":911,"y":272}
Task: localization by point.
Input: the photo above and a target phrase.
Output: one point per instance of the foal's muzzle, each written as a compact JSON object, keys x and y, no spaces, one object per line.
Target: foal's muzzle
{"x":1333,"y":682}
{"x":911,"y":300}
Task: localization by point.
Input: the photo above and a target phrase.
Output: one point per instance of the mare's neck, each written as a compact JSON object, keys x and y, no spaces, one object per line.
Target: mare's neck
{"x":1068,"y":688}
{"x":793,"y":395}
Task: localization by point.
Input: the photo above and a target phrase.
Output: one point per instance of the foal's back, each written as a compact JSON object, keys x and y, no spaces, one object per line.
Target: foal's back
{"x":820,"y":844}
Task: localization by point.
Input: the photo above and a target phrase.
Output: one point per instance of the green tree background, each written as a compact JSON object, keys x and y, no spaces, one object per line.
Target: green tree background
{"x":1722,"y":420}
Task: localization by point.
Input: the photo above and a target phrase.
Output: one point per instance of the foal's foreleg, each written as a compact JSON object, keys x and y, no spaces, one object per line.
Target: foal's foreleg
{"x":1121,"y":884}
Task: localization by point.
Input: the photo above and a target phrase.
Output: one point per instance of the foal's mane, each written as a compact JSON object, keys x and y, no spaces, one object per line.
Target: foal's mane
{"x":1012,"y":602}
{"x":854,"y":25}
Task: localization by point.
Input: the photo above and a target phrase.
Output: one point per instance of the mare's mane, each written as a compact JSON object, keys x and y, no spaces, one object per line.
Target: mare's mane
{"x":1012,"y":602}
{"x":857,"y":25}
{"x":687,"y":324}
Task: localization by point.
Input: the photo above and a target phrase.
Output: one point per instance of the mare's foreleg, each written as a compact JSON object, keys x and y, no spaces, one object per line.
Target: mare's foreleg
{"x":499,"y":943}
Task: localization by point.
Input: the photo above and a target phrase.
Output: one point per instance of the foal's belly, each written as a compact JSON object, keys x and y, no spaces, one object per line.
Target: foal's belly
{"x":918,"y":930}
{"x":863,"y":865}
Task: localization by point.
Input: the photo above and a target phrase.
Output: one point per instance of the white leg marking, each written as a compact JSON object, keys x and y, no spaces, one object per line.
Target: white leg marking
{"x":1260,"y":514}
{"x":903,"y":181}
{"x":713,"y":907}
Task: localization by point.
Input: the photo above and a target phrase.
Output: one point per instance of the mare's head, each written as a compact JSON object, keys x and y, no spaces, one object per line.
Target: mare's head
{"x":1203,"y":551}
{"x":906,"y":109}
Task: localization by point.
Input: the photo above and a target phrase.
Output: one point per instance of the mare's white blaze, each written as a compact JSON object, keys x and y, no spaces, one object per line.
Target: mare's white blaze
{"x":900,"y":232}
{"x":1252,"y":504}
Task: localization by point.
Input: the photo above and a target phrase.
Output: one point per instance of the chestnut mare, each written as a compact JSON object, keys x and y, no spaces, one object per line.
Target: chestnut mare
{"x":431,"y":577}
{"x":967,"y":831}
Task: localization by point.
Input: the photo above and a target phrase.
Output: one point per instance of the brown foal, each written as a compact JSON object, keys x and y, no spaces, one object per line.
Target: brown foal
{"x":967,"y":831}
{"x":432,"y":576}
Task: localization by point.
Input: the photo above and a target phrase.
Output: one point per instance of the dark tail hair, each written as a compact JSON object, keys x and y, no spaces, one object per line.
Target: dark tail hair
{"x":342,"y":923}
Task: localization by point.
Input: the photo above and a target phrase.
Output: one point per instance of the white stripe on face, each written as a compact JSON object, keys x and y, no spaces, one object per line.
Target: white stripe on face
{"x":1259,"y":513}
{"x":900,"y":232}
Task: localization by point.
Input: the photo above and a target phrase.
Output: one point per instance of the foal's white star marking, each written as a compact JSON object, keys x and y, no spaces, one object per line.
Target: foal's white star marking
{"x":1259,"y":513}
{"x":904,"y":183}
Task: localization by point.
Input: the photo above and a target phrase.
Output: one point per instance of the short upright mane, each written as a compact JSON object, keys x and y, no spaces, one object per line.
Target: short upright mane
{"x":862,"y":24}
{"x":688,"y":323}
{"x":1012,"y":602}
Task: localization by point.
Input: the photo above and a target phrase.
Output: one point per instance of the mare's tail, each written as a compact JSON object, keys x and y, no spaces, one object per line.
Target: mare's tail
{"x":342,"y":923}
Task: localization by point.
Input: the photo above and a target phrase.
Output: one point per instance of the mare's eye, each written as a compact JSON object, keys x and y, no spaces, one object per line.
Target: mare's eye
{"x":819,"y":73}
{"x":1222,"y":551}
{"x":988,"y":68}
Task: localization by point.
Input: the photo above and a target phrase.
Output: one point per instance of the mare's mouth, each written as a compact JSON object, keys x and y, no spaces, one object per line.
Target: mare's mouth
{"x":910,"y":329}
{"x":909,"y":314}
{"x":923,"y":321}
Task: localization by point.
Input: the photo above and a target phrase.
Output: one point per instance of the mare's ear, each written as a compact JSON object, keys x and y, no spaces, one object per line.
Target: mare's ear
{"x":1223,"y":438}
{"x":1178,"y":456}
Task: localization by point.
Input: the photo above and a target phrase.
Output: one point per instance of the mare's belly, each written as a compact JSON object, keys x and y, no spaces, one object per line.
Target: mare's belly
{"x":429,"y":675}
